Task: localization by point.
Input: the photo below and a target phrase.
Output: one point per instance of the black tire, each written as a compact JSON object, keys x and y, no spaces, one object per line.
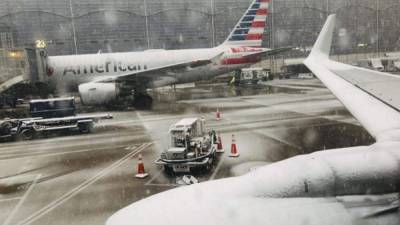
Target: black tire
{"x":86,"y":128}
{"x":168,"y":170}
{"x":271,"y":77}
{"x":27,"y":134}
{"x":5,"y":128}
{"x":210,"y":162}
{"x":208,"y":167}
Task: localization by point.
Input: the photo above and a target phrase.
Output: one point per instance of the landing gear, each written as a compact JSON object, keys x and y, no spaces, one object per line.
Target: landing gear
{"x":142,"y":101}
{"x":237,"y":77}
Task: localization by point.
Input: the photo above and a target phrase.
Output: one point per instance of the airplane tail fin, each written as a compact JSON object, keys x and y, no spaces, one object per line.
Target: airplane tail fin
{"x":249,"y":31}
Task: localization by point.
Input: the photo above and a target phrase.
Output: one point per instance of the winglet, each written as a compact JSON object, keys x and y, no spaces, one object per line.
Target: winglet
{"x":322,"y":46}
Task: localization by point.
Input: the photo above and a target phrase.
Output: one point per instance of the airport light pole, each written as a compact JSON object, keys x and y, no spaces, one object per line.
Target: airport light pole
{"x":327,"y":7}
{"x":213,"y":23}
{"x":272,"y":64}
{"x":377,"y":28}
{"x":73,"y":27}
{"x":146,"y":23}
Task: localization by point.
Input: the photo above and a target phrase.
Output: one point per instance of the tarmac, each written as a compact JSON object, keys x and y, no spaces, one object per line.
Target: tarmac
{"x":84,"y":179}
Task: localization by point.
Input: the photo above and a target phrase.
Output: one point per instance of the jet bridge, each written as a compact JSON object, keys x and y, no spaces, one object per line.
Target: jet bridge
{"x":21,"y":65}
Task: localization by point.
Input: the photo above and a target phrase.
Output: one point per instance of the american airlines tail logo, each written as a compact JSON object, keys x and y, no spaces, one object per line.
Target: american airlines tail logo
{"x":108,"y":66}
{"x":250,"y":29}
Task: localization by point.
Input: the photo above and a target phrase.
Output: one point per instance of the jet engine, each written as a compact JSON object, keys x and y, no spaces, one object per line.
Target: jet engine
{"x":99,"y":93}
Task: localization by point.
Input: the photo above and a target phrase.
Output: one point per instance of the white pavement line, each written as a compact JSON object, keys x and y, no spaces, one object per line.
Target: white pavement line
{"x":16,"y":208}
{"x":43,"y":153}
{"x":10,"y":199}
{"x":43,"y":211}
{"x":311,"y":115}
{"x":163,"y":185}
{"x":257,"y":131}
{"x":217,"y":168}
{"x":77,"y":143}
{"x":154,"y":177}
{"x":153,"y":119}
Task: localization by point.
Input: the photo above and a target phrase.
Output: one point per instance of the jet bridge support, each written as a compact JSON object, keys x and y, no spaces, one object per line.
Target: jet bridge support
{"x":37,"y":59}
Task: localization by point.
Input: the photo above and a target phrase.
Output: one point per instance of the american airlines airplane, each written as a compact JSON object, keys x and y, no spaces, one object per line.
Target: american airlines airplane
{"x":104,"y":78}
{"x":356,"y":185}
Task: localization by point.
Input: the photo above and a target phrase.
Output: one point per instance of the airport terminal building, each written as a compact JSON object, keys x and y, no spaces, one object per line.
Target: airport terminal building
{"x":71,"y":26}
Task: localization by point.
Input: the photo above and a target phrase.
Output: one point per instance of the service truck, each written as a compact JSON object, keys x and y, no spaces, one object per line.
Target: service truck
{"x":191,"y":147}
{"x":251,"y":76}
{"x":49,"y":116}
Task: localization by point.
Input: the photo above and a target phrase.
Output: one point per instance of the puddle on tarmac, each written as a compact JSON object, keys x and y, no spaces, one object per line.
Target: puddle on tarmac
{"x":321,"y":134}
{"x":221,"y":91}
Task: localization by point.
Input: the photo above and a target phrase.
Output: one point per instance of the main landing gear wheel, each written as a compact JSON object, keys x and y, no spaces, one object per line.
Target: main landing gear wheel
{"x":143,"y":101}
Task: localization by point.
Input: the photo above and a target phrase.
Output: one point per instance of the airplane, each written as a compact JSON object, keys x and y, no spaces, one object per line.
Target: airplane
{"x":354,"y":185}
{"x":103,"y":78}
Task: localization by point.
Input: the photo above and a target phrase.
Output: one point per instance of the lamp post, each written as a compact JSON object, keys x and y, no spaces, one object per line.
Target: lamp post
{"x":377,"y":28}
{"x":146,"y":23}
{"x":212,"y":22}
{"x":73,"y":27}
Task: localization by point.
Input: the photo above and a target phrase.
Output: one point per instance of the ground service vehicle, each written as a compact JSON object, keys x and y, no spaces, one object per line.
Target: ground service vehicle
{"x":251,"y":76}
{"x":49,"y":116}
{"x":52,"y":108}
{"x":191,"y":148}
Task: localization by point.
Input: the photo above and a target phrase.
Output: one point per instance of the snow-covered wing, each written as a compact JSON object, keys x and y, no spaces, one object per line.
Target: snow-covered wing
{"x":382,"y":85}
{"x":294,"y":191}
{"x":369,"y":95}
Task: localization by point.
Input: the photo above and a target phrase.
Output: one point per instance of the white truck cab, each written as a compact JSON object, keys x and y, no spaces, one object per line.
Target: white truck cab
{"x":190,"y":147}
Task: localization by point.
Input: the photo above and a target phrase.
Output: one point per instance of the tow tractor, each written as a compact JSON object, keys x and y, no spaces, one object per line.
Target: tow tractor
{"x":48,"y":116}
{"x":191,"y":148}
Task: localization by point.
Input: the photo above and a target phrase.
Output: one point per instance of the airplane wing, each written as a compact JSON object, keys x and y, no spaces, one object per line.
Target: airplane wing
{"x":167,"y":70}
{"x":268,"y":52}
{"x":241,"y":210}
{"x":372,"y":97}
{"x":340,"y":186}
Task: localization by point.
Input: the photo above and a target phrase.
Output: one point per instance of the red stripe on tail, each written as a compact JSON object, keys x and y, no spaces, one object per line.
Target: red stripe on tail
{"x":258,"y":24}
{"x":262,"y":12}
{"x":254,"y":37}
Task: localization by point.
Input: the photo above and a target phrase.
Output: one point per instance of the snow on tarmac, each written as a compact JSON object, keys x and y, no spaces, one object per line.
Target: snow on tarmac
{"x":279,"y":193}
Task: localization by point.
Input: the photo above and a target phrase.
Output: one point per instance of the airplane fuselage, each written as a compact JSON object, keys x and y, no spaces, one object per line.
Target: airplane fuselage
{"x":73,"y":70}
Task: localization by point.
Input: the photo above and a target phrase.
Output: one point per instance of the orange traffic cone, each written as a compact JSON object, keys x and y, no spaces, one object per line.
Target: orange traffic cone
{"x":234,"y":151}
{"x":219,"y":144}
{"x":218,"y":115}
{"x":140,"y":168}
